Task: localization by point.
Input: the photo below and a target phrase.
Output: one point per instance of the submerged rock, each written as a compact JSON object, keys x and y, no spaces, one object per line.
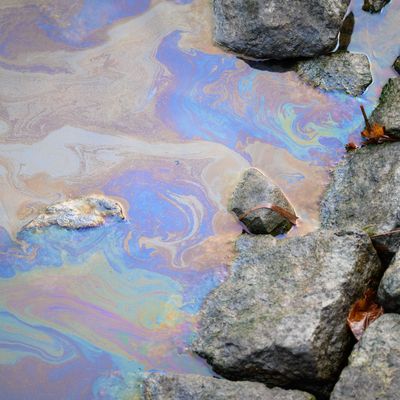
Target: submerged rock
{"x":389,"y":288}
{"x":387,"y":113}
{"x":254,"y":190}
{"x":374,"y":366}
{"x":364,"y":193}
{"x":278,"y":29}
{"x":348,"y":72}
{"x":374,"y":6}
{"x":396,"y":65}
{"x":280,"y":318}
{"x":196,"y":387}
{"x":83,"y":212}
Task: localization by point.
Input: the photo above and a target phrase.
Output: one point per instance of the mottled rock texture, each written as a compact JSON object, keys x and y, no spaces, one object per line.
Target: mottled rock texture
{"x":389,"y":288}
{"x":396,"y":65}
{"x":387,"y":113}
{"x":280,"y":318}
{"x":347,"y":72}
{"x":83,"y":212}
{"x":253,"y":190}
{"x":365,"y":192}
{"x":195,"y":387}
{"x":373,"y":372}
{"x":374,"y":6}
{"x":278,"y":29}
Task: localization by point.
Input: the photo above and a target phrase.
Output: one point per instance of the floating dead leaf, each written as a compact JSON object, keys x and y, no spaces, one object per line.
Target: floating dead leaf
{"x":292,"y":218}
{"x":351,"y":146}
{"x":363,"y":312}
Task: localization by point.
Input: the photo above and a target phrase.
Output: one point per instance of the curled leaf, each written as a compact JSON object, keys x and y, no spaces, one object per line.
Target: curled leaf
{"x":363,"y":312}
{"x":292,"y":218}
{"x":351,"y":146}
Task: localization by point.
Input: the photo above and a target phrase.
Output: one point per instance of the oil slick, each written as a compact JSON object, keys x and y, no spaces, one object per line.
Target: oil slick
{"x":131,"y":100}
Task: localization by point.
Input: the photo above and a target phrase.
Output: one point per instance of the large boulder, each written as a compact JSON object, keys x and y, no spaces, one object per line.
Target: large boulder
{"x":343,"y":71}
{"x":387,"y":113}
{"x":374,"y":6}
{"x":278,"y":29}
{"x":364,"y":193}
{"x":280,"y":318}
{"x":83,"y":212}
{"x":254,"y":190}
{"x":196,"y":387}
{"x":373,"y":372}
{"x":389,"y":288}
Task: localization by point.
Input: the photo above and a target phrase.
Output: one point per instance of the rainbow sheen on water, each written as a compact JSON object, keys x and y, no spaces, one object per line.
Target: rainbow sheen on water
{"x":132,"y":100}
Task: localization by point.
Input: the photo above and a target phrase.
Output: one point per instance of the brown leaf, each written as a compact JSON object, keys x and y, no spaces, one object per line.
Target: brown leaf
{"x":363,"y":312}
{"x":351,"y":146}
{"x":375,"y":132}
{"x":292,"y":218}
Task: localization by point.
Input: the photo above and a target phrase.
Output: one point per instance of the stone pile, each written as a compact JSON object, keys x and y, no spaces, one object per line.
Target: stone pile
{"x":280,"y":317}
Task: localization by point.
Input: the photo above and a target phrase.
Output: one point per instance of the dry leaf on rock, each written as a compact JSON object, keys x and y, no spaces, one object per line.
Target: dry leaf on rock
{"x":363,"y":312}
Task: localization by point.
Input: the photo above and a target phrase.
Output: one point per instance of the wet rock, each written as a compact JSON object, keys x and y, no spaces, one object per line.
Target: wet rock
{"x":374,"y":6}
{"x":278,"y":29}
{"x":253,"y":190}
{"x":280,"y":318}
{"x":364,"y":193}
{"x":387,"y":113}
{"x":374,"y":366}
{"x":196,"y":387}
{"x":396,"y":65}
{"x":348,"y":72}
{"x":83,"y":212}
{"x":389,"y":288}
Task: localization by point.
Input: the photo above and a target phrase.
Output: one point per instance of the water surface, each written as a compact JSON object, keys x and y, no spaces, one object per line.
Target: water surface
{"x":131,"y":99}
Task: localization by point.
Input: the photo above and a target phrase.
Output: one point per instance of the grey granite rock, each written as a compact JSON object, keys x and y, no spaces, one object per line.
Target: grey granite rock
{"x":255,"y":189}
{"x":374,"y":6}
{"x":196,"y":387}
{"x":389,"y":288}
{"x":280,"y":318}
{"x":278,"y":29}
{"x":387,"y":113}
{"x":83,"y":212}
{"x":365,"y":192}
{"x":348,"y":72}
{"x":373,"y":372}
{"x":396,"y":65}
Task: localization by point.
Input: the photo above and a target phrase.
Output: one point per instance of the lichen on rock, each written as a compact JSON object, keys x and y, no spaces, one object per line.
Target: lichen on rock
{"x":83,"y":212}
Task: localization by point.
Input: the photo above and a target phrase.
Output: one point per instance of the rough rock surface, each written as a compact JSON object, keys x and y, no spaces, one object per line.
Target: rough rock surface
{"x":387,"y":113}
{"x":280,"y":318}
{"x":348,"y":72}
{"x":396,"y":65}
{"x":374,"y":6}
{"x":195,"y":387}
{"x":374,"y":366}
{"x":278,"y":29}
{"x":84,"y":212}
{"x":365,"y":192}
{"x":253,"y":190}
{"x":389,"y":288}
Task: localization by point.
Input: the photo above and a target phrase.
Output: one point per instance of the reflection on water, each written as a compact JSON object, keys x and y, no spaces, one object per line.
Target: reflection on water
{"x":131,"y":99}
